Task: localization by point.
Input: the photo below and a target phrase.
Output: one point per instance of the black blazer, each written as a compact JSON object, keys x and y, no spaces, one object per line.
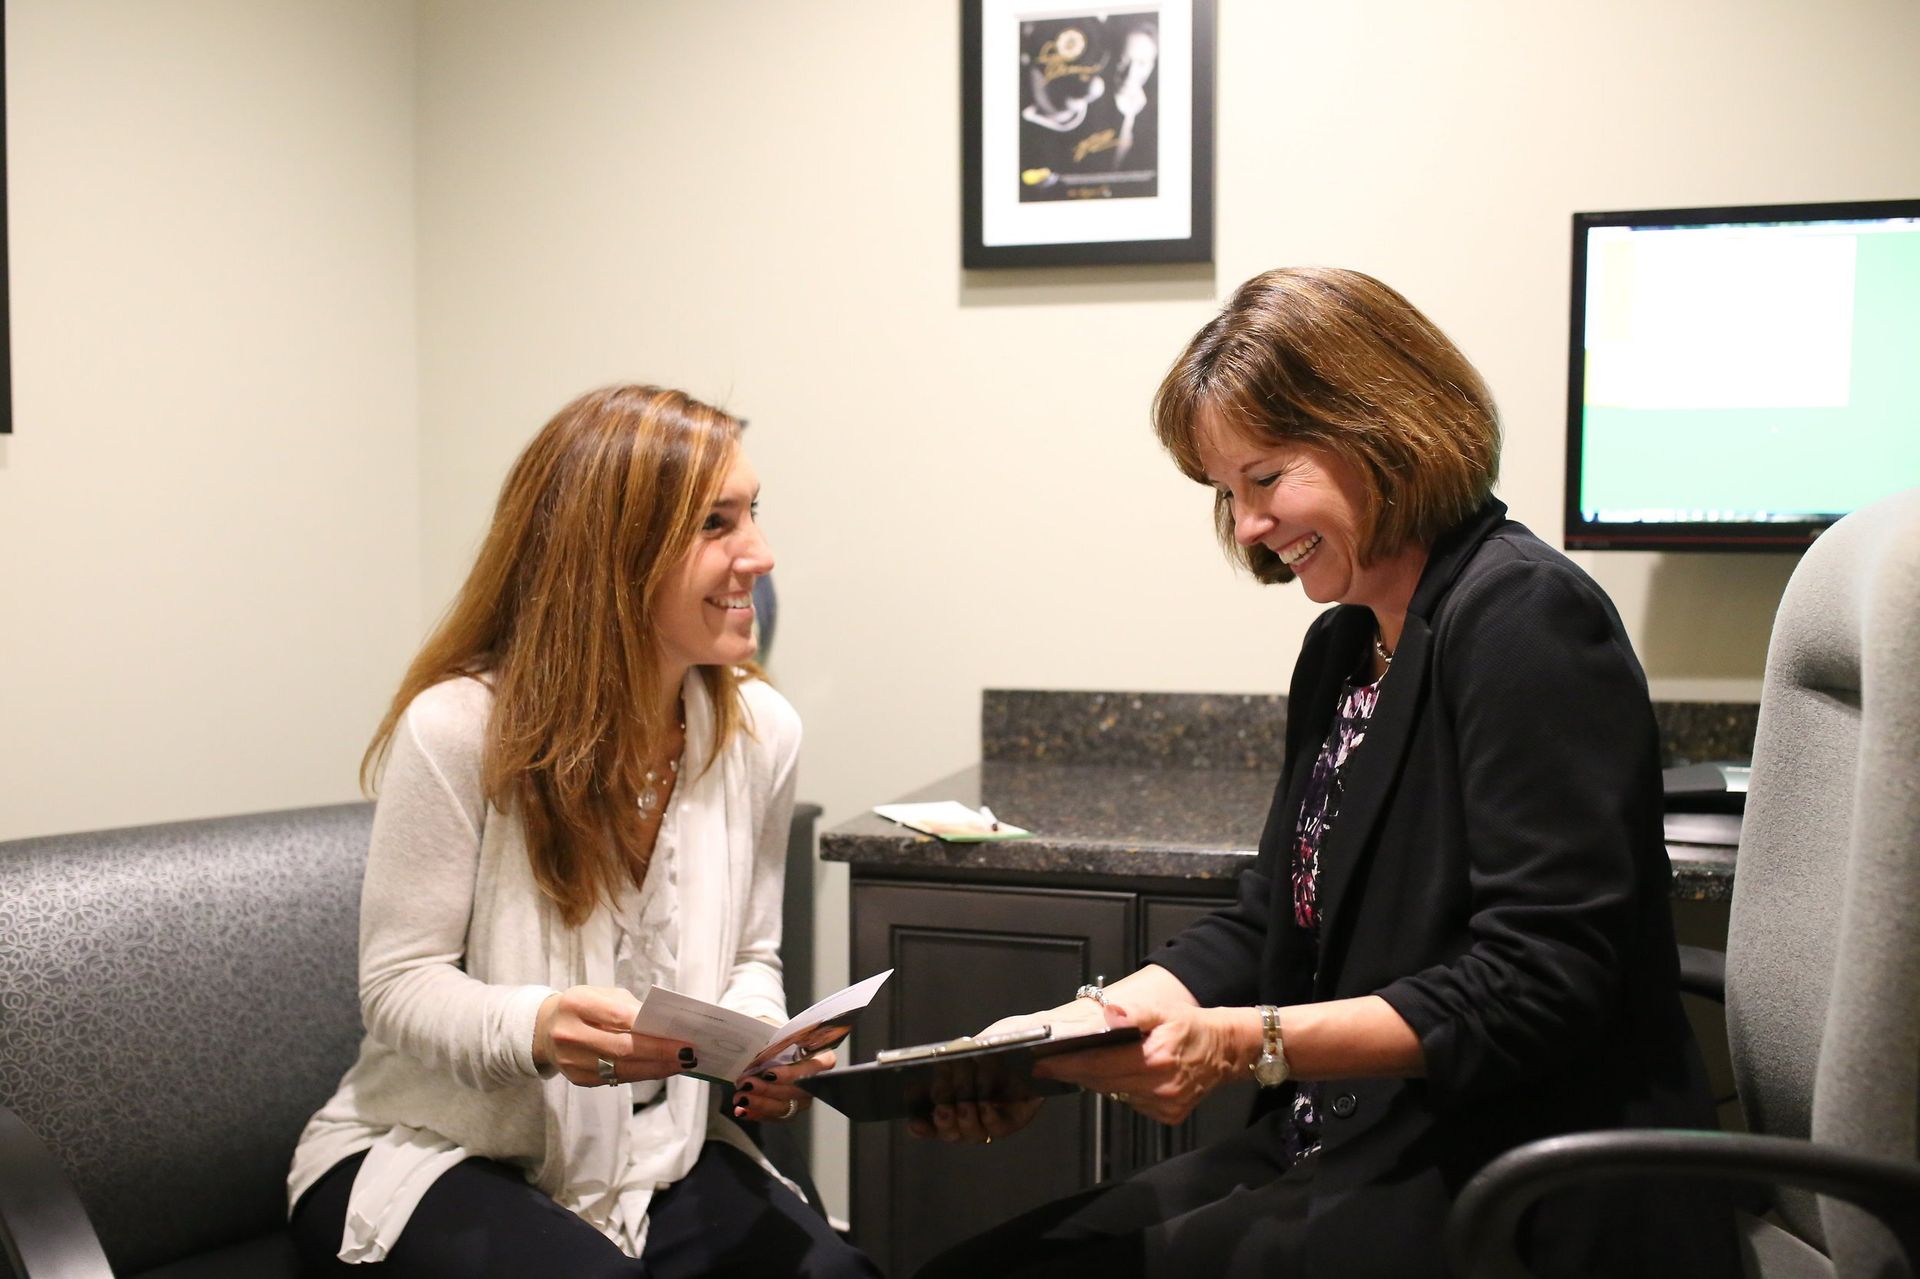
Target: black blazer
{"x":1497,"y":873}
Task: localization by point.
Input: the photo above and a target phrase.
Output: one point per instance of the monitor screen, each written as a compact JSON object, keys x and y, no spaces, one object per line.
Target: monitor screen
{"x":1740,"y":378}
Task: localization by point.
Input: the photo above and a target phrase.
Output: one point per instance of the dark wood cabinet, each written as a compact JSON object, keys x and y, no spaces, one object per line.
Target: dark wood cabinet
{"x":1226,"y":1111}
{"x":963,"y":956}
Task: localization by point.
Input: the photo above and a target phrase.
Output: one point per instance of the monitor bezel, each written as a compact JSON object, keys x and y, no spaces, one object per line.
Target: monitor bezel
{"x":1581,"y":534}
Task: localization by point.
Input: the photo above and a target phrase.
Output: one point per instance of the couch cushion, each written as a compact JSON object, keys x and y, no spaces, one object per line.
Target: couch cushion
{"x":175,"y":1001}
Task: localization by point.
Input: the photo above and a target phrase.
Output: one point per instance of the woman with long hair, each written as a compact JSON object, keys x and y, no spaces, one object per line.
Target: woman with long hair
{"x":584,"y":791}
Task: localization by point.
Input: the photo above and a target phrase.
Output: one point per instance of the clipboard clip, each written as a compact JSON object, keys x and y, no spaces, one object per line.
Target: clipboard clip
{"x":966,"y":1043}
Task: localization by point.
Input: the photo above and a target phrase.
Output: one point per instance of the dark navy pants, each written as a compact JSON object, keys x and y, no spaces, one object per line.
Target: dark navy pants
{"x":481,"y":1220}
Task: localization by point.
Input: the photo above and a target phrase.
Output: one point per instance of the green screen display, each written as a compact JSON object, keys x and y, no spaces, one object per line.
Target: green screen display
{"x":1747,"y":373}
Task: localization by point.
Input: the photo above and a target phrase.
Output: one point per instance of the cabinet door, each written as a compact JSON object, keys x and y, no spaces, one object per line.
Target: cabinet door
{"x":1226,"y":1111}
{"x":964,"y":957}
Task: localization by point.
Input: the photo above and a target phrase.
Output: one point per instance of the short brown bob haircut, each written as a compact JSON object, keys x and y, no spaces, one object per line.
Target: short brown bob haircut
{"x":1337,"y":360}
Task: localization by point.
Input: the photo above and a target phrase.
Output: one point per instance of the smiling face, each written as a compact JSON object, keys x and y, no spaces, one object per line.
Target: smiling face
{"x":704,"y":613}
{"x":1308,"y":506}
{"x":1302,"y":503}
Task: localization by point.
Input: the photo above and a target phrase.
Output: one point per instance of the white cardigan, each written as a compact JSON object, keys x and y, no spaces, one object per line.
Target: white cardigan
{"x":458,"y":949}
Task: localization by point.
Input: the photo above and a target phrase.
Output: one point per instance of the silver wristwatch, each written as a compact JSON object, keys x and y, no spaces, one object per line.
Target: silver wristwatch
{"x":1270,"y":1068}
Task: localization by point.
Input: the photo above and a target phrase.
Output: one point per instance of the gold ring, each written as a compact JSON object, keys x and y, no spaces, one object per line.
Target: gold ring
{"x":1116,"y":1096}
{"x":989,"y":1139}
{"x":605,"y":1070}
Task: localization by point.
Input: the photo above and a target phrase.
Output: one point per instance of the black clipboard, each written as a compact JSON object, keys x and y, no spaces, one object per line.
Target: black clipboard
{"x":907,"y":1083}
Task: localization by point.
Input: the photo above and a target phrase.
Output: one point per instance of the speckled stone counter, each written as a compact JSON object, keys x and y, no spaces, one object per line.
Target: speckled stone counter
{"x":1175,"y":787}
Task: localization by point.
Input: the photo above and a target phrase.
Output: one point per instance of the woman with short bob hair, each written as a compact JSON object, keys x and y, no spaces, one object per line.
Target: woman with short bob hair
{"x":585,"y":790}
{"x":1337,"y":360}
{"x":1456,"y":936}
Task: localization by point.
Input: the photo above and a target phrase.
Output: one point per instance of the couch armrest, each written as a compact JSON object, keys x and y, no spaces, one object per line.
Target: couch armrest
{"x":1482,"y":1226}
{"x":44,"y":1230}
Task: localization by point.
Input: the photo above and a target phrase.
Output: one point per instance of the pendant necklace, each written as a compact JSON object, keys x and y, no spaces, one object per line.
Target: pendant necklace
{"x":652,"y":790}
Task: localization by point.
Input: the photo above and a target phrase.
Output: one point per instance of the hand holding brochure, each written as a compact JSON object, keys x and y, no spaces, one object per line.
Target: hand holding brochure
{"x":732,"y":1045}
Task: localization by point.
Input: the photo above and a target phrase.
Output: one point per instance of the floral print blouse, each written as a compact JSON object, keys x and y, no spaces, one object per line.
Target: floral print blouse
{"x":1318,"y":808}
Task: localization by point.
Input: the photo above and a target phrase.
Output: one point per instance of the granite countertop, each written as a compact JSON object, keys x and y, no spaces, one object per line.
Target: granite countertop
{"x":1176,"y":787}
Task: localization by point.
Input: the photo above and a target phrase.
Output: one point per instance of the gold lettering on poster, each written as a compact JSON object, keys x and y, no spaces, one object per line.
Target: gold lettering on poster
{"x":1055,"y":63}
{"x":1094,"y":143}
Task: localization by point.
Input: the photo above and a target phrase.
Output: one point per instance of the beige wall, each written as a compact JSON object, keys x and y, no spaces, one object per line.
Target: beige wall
{"x":209,"y":511}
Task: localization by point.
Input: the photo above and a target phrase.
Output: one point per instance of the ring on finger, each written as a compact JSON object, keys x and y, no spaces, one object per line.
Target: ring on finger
{"x":1116,"y":1096}
{"x":793,"y":1108}
{"x":605,"y":1070}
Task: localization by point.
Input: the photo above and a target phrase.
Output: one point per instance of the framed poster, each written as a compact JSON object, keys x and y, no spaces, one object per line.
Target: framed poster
{"x":1086,"y":132}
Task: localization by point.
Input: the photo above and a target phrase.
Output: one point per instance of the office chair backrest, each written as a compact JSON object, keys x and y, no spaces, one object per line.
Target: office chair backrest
{"x":1823,"y":947}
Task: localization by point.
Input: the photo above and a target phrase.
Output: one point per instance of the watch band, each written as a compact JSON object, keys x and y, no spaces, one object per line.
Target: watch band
{"x":1270,"y":1068}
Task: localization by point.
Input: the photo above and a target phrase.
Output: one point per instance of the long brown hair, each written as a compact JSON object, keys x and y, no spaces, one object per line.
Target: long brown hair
{"x":1336,"y":359}
{"x":595,"y":515}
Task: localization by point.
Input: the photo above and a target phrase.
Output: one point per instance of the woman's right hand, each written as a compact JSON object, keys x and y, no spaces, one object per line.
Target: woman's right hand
{"x":582,"y":1025}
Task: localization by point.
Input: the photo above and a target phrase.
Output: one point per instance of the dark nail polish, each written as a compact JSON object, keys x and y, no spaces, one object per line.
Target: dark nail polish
{"x":687,"y":1058}
{"x":747,"y":1087}
{"x":770,"y":1077}
{"x":740,"y":1099}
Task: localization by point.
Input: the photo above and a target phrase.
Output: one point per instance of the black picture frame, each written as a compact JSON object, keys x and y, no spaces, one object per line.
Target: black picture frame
{"x":1033,"y":191}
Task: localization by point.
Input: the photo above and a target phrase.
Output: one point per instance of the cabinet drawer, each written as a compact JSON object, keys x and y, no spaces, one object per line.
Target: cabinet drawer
{"x":963,"y":957}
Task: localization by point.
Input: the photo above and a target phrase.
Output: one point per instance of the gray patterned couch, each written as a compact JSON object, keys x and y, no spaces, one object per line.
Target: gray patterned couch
{"x":174,"y":1002}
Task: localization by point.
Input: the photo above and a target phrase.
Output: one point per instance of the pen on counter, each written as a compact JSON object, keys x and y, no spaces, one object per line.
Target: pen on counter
{"x":986,"y":815}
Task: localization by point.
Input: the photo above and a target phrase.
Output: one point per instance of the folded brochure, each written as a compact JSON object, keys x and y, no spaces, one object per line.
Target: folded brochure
{"x":951,"y":820}
{"x":731,"y":1045}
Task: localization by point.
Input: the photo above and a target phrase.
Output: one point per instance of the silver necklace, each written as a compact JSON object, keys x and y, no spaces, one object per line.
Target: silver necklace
{"x":652,"y":793}
{"x":1381,"y":649}
{"x":650,"y":788}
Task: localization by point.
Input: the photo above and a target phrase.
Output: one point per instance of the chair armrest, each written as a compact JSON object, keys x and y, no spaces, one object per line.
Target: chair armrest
{"x":1481,"y":1226}
{"x":44,"y":1230}
{"x":1703,"y":972}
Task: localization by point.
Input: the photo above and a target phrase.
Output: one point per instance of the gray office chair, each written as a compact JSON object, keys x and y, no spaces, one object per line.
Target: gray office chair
{"x":1823,"y":948}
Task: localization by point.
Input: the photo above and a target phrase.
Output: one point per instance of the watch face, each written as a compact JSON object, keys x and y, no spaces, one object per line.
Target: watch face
{"x":1270,"y":1072}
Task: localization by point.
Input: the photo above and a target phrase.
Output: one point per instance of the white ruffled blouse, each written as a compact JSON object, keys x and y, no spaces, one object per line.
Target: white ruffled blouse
{"x":458,"y":949}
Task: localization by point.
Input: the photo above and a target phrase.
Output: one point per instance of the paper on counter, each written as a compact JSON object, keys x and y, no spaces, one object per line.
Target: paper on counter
{"x":950,"y":820}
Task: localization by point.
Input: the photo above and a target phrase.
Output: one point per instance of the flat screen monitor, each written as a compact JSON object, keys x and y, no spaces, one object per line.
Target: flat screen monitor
{"x":1740,"y":378}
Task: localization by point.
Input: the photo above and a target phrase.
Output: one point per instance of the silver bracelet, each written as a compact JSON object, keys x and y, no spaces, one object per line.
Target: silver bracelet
{"x":1096,"y":991}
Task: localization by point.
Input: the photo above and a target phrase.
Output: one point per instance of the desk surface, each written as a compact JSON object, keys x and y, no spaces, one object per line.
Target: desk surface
{"x":1090,"y":820}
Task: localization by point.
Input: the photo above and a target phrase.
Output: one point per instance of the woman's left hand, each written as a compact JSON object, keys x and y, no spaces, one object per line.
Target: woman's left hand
{"x":774,"y":1094}
{"x":1187,"y":1052}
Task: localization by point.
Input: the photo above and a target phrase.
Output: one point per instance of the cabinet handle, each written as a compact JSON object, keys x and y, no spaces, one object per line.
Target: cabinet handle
{"x":1099,"y":1139}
